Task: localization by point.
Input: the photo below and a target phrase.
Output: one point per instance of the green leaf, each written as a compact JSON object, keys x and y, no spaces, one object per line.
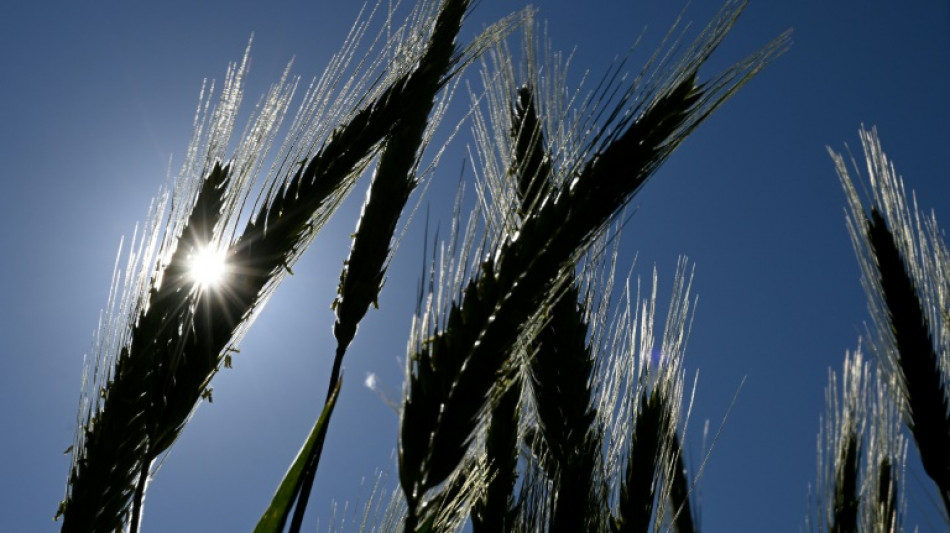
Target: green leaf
{"x":273,"y":519}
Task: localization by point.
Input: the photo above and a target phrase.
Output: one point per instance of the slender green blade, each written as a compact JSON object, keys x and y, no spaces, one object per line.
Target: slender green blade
{"x":274,"y":518}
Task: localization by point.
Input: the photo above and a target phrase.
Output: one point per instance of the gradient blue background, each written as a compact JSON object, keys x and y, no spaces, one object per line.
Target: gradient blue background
{"x":95,"y":98}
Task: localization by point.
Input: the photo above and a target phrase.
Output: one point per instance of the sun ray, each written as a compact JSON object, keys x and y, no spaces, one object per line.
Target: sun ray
{"x":207,"y":267}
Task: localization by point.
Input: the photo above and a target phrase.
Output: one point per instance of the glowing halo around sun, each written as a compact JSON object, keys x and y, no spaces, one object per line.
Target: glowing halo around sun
{"x":207,"y":267}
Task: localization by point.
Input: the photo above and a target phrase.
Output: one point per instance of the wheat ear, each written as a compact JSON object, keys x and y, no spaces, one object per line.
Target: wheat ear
{"x":156,"y":356}
{"x":561,"y":364}
{"x":861,"y":453}
{"x":844,"y":432}
{"x":641,"y":405}
{"x":148,"y":331}
{"x":495,"y":510}
{"x":393,"y":182}
{"x":134,"y":399}
{"x":454,"y":360}
{"x":638,"y":490}
{"x":681,"y":490}
{"x":906,"y":274}
{"x":924,"y":382}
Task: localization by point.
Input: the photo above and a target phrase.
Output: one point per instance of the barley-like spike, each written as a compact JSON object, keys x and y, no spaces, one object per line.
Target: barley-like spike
{"x":840,"y":446}
{"x":638,"y":490}
{"x":925,"y":392}
{"x":530,"y":166}
{"x":887,"y":496}
{"x":861,"y":453}
{"x":365,"y":268}
{"x":494,"y":511}
{"x":680,"y":490}
{"x":393,"y":182}
{"x":844,"y":517}
{"x":454,"y":364}
{"x":561,"y":369}
{"x":111,"y":468}
{"x":904,"y":263}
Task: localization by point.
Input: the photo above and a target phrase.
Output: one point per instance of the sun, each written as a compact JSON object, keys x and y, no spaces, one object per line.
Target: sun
{"x":207,"y":267}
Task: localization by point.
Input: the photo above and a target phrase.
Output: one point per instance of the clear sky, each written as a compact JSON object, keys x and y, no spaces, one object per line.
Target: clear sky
{"x":95,"y":99}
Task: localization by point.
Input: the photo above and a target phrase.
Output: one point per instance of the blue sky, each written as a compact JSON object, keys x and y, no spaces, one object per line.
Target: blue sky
{"x":96,"y":99}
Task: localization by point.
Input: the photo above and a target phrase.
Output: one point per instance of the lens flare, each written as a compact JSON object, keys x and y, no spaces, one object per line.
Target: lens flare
{"x":207,"y":267}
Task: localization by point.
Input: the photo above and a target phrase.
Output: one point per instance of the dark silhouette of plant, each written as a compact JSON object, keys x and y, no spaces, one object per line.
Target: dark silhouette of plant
{"x":526,"y":406}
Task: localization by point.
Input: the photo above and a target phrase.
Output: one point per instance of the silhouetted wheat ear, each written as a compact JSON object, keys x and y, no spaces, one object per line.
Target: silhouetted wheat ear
{"x":165,"y":350}
{"x":147,"y":335}
{"x":495,"y":509}
{"x":906,"y":275}
{"x":560,"y":363}
{"x":561,"y":368}
{"x":923,"y":380}
{"x":637,"y":493}
{"x":640,"y":393}
{"x":846,"y":497}
{"x":861,"y":453}
{"x":126,"y":433}
{"x":887,"y":459}
{"x":518,"y":175}
{"x":456,"y":356}
{"x":394,"y":180}
{"x":680,"y":490}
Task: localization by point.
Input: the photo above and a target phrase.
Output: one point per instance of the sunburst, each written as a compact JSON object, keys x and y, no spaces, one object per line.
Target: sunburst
{"x":208,"y":267}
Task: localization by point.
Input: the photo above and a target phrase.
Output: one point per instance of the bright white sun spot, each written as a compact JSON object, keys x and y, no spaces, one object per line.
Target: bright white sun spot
{"x":207,"y":267}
